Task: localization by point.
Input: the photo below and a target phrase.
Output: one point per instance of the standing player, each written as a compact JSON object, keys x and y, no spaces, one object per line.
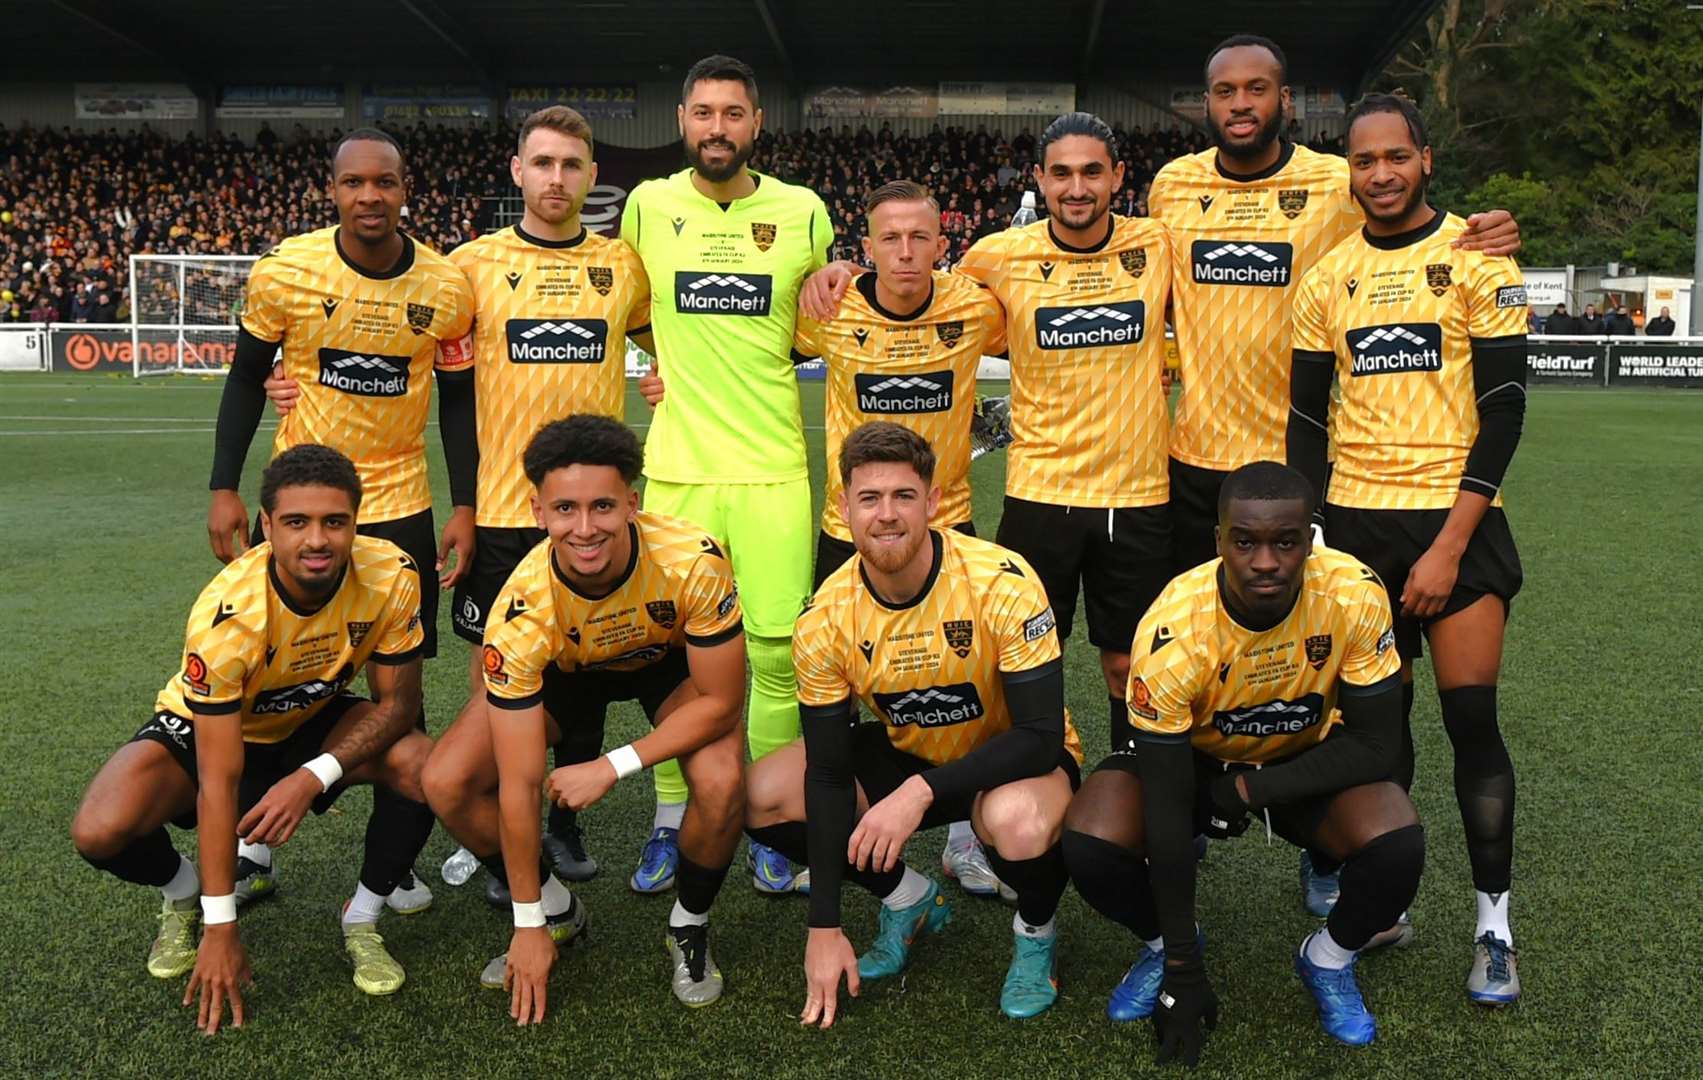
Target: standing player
{"x":1241,"y":667}
{"x":1428,"y":343}
{"x":949,"y":641}
{"x":1248,"y":218}
{"x":257,"y":727}
{"x":359,"y":310}
{"x":623,"y":605}
{"x":726,"y":250}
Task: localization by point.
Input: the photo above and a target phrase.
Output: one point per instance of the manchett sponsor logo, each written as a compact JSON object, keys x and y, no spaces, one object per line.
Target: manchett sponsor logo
{"x":933,"y":706}
{"x":924,"y":393}
{"x":1093,"y":326}
{"x":701,"y":293}
{"x":364,"y":374}
{"x":1278,"y":717}
{"x":1231,"y":262}
{"x":557,"y":341}
{"x":1396,"y":348}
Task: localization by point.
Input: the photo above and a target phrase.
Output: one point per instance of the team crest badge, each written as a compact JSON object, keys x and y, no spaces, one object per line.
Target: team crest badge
{"x":1318,"y":651}
{"x":1437,"y":276}
{"x":1134,"y":262}
{"x":949,"y":332}
{"x":602,"y":279}
{"x":661,"y":612}
{"x":358,"y":633}
{"x":420,"y":317}
{"x":1292,"y":202}
{"x":762,"y":235}
{"x":960,"y":634}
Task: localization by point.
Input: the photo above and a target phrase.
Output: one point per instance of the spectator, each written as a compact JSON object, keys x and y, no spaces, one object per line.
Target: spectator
{"x":1591,"y":324}
{"x":1619,"y":323}
{"x":1660,"y":326}
{"x":1560,"y":323}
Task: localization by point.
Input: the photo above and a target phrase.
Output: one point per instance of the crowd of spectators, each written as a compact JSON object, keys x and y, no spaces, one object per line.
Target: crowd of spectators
{"x":75,"y":205}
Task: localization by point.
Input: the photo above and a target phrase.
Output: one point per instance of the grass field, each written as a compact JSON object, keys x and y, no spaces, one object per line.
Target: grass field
{"x":102,"y":495}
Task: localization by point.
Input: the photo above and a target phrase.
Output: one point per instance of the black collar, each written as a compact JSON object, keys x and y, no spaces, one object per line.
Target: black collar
{"x":1283,"y":156}
{"x":866,"y":286}
{"x":928,"y":582}
{"x":1404,"y":239}
{"x":1111,"y":227}
{"x":400,"y":267}
{"x":632,"y":563}
{"x":539,"y":241}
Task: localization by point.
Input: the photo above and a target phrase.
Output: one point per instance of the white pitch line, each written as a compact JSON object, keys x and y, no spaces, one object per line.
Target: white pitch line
{"x":115,"y":431}
{"x":110,"y":419}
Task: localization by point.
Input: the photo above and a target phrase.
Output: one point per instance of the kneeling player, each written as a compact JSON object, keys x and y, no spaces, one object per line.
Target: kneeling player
{"x":1238,"y":671}
{"x":949,"y":640}
{"x":257,"y":727}
{"x":627,"y":606}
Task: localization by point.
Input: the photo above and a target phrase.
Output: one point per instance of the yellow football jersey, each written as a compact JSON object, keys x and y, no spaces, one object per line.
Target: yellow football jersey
{"x":677,"y":590}
{"x":1259,"y":696}
{"x":918,"y":370}
{"x":548,"y":341}
{"x":930,"y":669}
{"x":1400,"y":315}
{"x":361,"y":347}
{"x":1086,"y":331}
{"x":249,"y":649}
{"x":1240,"y":246}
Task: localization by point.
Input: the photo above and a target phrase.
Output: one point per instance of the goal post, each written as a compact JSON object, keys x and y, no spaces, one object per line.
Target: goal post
{"x":185,"y":312}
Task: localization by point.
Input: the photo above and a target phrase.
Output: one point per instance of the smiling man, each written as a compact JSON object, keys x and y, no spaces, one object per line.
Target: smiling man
{"x":1264,"y":680}
{"x":622,"y":605}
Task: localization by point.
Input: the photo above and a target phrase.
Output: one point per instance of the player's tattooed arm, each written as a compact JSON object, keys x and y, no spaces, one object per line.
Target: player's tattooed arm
{"x":397,"y":688}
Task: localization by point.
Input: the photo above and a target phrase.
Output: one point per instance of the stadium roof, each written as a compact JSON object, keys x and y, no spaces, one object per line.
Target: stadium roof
{"x":1330,"y":42}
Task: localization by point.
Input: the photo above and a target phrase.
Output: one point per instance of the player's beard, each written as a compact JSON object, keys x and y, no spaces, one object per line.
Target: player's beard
{"x":893,"y":558}
{"x":557,"y":215}
{"x":1266,"y":134}
{"x":316,"y":585}
{"x":1067,"y":214}
{"x":720,"y":174}
{"x":1415,"y":198}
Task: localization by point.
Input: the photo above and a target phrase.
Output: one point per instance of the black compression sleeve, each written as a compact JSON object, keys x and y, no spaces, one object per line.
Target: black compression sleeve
{"x":240,"y":406}
{"x":830,"y":802}
{"x":1499,"y":381}
{"x":1307,"y":442}
{"x":1362,"y":750}
{"x":1030,"y":747}
{"x":1166,"y":767}
{"x":458,"y":424}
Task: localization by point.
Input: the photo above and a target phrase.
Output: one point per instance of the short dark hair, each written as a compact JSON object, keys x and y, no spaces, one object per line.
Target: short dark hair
{"x":1265,"y":481}
{"x":369,"y":134}
{"x":898,"y":191}
{"x":719,"y":68}
{"x":584,"y":439}
{"x":560,"y":119}
{"x":882,"y":441}
{"x":1388,"y":103}
{"x":1238,"y":41}
{"x":1077,"y":123}
{"x":309,"y":465}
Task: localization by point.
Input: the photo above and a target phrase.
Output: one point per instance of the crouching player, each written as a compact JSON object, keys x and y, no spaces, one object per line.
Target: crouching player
{"x":626,"y":606}
{"x":950,"y":642}
{"x":258,"y":726}
{"x":1239,"y":669}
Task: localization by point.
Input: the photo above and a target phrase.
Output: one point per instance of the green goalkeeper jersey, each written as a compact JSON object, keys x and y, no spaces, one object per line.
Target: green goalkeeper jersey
{"x":724,"y":295}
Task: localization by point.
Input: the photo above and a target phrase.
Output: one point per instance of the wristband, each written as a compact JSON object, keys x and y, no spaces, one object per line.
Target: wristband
{"x":218,"y":909}
{"x":626,"y":761}
{"x":327,"y":768}
{"x":528,"y":916}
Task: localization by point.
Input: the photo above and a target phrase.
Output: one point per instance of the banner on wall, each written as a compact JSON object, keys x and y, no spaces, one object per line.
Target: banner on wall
{"x":594,"y":101}
{"x":889,"y":103}
{"x":1676,"y":364}
{"x":1564,"y":362}
{"x":1006,"y":98}
{"x":106,"y":349}
{"x":280,"y":102}
{"x":407,"y":104}
{"x":135,"y":101}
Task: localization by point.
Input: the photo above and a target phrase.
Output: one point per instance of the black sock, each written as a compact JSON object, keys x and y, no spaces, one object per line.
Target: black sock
{"x":1403,"y":774}
{"x":1484,"y":784}
{"x":1119,"y":730}
{"x":146,"y":860}
{"x":1039,"y":882}
{"x":788,"y":838}
{"x":1113,"y":881}
{"x":1378,"y":883}
{"x":697,"y":885}
{"x":397,"y":832}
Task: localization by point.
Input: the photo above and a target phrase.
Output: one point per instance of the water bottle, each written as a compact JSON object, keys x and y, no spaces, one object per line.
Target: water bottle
{"x":459,"y":867}
{"x":1025,"y":214}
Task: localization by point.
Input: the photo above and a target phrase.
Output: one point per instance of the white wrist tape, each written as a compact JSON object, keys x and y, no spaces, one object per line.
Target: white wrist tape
{"x":218,"y":909}
{"x":626,"y":761}
{"x":530,"y":915}
{"x":327,"y":768}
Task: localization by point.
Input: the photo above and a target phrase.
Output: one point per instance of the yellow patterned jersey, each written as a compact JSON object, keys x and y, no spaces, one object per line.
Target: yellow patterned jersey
{"x":918,"y":370}
{"x":1086,"y":332}
{"x":1240,"y":246}
{"x":931,"y":668}
{"x":549,"y":340}
{"x":249,"y":649}
{"x":677,"y":590}
{"x":361,"y":346}
{"x":1400,"y":314}
{"x":1259,"y":696}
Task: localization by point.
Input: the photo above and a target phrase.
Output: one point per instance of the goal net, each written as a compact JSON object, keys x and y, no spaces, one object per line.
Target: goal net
{"x":184,"y":311}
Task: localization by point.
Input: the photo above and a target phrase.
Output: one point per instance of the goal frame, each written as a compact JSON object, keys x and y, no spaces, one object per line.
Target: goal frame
{"x":182,"y":333}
